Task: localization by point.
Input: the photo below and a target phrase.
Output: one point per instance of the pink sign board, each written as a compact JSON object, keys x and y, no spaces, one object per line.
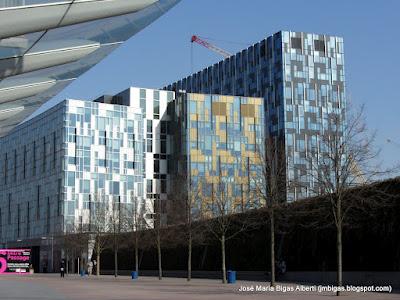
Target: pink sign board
{"x":14,"y":261}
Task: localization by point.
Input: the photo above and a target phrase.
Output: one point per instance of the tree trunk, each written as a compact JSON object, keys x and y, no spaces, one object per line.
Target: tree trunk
{"x":67,"y":264}
{"x":159,"y":256}
{"x":136,"y":253}
{"x":223,"y":259}
{"x":272,"y":233}
{"x":115,"y":258}
{"x":73,"y":264}
{"x":97,"y":258}
{"x":81,"y":264}
{"x":339,"y":243}
{"x":339,"y":258}
{"x":189,"y":275}
{"x":98,"y":264}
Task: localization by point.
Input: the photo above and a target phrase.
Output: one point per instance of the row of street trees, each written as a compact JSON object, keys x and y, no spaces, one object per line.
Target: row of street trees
{"x":108,"y":224}
{"x":343,"y":158}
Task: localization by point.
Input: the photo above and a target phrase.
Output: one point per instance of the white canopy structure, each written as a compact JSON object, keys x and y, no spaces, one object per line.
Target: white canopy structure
{"x":46,"y":44}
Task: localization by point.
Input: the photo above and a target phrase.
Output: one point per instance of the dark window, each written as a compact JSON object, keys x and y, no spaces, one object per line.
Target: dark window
{"x":28,"y":221}
{"x":102,"y":163}
{"x":59,"y":191}
{"x":18,"y":220}
{"x":156,"y":107}
{"x":163,"y":186}
{"x":76,"y":144}
{"x":163,"y":127}
{"x":15,"y":164}
{"x":130,"y":164}
{"x":262,"y":48}
{"x":170,"y":109}
{"x":5,"y":169}
{"x":24,"y":162}
{"x":48,"y":215}
{"x":38,"y":203}
{"x":149,"y":126}
{"x":54,"y":150}
{"x":9,"y":209}
{"x":102,"y":137}
{"x":117,"y":100}
{"x":296,"y":43}
{"x":319,"y":45}
{"x":149,"y":187}
{"x":44,"y":154}
{"x":34,"y":158}
{"x":156,"y":166}
{"x":163,"y":149}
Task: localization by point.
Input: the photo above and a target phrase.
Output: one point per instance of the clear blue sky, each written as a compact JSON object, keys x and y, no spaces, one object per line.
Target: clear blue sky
{"x":160,"y":54}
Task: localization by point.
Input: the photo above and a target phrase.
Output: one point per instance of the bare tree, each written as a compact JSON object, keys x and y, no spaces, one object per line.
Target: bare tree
{"x":344,"y":158}
{"x":100,"y":227}
{"x":270,"y":186}
{"x":221,"y":212}
{"x":186,"y":194}
{"x":117,"y":223}
{"x":157,"y":209}
{"x":137,"y":225}
{"x":75,"y":243}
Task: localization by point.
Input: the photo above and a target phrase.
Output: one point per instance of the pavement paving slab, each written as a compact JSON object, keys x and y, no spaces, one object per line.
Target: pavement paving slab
{"x":74,"y":287}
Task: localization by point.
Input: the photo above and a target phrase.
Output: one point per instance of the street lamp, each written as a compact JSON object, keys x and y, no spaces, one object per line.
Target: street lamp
{"x":52,"y":250}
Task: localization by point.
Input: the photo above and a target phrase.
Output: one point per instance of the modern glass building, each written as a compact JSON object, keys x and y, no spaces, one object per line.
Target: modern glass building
{"x":128,"y":149}
{"x":198,"y":138}
{"x":157,"y":140}
{"x":58,"y":165}
{"x":301,"y":78}
{"x":217,"y":140}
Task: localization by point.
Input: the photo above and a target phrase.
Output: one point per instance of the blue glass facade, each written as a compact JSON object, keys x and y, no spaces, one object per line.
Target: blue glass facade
{"x":301,"y":78}
{"x":217,"y":141}
{"x":56,"y":166}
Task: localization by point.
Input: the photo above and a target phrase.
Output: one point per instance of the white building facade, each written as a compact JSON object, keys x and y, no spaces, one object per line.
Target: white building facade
{"x":157,"y":144}
{"x":58,"y":165}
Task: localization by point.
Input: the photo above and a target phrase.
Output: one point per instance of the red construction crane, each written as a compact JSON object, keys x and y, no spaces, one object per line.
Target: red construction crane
{"x":200,"y":41}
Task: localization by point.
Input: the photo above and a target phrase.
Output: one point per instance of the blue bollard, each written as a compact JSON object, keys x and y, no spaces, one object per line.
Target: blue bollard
{"x":231,"y":277}
{"x":134,"y":275}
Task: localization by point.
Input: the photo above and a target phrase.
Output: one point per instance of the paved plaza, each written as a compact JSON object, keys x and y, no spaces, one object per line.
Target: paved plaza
{"x":46,"y":287}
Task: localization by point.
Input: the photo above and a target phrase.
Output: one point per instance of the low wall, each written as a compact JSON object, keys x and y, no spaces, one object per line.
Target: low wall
{"x":353,"y":278}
